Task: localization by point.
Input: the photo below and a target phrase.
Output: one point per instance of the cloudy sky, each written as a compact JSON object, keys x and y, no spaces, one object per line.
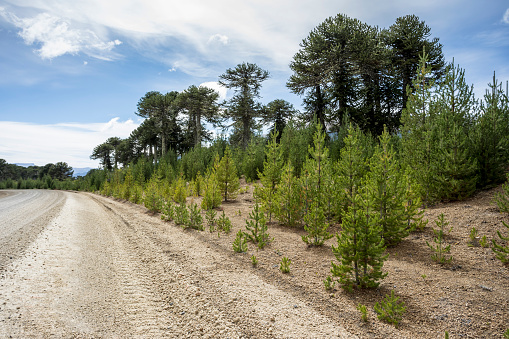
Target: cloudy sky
{"x":71,"y":72}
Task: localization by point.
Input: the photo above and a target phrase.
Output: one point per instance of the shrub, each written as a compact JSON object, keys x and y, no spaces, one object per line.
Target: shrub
{"x":254,"y":261}
{"x":390,"y":310}
{"x":181,"y":215}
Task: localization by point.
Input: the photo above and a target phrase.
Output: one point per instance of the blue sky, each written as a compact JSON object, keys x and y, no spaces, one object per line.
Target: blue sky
{"x":72,"y":72}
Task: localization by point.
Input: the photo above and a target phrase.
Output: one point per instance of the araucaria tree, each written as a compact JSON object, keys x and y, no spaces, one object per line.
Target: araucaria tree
{"x":227,"y":178}
{"x":161,"y":109}
{"x":199,"y":103}
{"x":288,"y":200}
{"x":360,"y":249}
{"x":246,"y":80}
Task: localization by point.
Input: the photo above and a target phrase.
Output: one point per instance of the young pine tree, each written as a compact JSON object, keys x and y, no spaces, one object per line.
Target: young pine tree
{"x":418,"y":131}
{"x":360,"y":250}
{"x":227,"y":177}
{"x":350,"y":169}
{"x":458,"y":170}
{"x":271,"y":175}
{"x":211,"y":190}
{"x":492,"y":135}
{"x":288,"y":200}
{"x":317,"y":176}
{"x":388,"y":184}
{"x":256,"y":227}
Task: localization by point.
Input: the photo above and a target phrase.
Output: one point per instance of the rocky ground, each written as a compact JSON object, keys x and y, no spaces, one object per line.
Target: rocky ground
{"x":107,"y":268}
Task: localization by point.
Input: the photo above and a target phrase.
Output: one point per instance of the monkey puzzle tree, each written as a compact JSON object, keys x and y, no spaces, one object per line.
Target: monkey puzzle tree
{"x":199,"y":103}
{"x":245,"y":79}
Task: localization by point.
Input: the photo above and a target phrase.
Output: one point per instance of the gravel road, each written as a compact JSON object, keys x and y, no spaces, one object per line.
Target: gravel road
{"x":81,"y":265}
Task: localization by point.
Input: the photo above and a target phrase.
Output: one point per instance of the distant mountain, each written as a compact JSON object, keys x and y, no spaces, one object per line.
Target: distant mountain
{"x":25,"y":164}
{"x":81,"y":171}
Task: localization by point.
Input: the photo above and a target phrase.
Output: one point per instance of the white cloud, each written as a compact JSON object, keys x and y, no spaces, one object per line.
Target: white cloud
{"x":56,"y":37}
{"x":216,"y":87}
{"x":506,"y":16}
{"x":223,"y":39}
{"x":69,"y":142}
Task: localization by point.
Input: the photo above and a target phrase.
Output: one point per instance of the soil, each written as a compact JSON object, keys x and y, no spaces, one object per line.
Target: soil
{"x":107,"y":268}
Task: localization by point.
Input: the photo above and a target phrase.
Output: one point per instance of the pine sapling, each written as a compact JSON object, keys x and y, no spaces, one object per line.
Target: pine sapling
{"x":440,"y":249}
{"x":181,"y":215}
{"x":195,"y":219}
{"x":502,"y":251}
{"x":256,"y":227}
{"x":364,"y":312}
{"x":224,"y":223}
{"x":483,"y":242}
{"x":240,"y":242}
{"x":285,"y":265}
{"x":254,"y":261}
{"x":329,"y":283}
{"x":210,"y":216}
{"x":316,"y":226}
{"x":168,"y":211}
{"x":473,"y":237}
{"x":502,"y":199}
{"x":390,"y":310}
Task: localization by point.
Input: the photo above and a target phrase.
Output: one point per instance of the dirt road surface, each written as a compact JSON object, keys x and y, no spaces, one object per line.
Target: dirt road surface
{"x":81,"y":265}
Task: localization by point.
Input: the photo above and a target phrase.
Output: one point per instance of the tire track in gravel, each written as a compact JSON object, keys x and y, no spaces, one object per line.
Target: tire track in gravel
{"x":212,"y":293}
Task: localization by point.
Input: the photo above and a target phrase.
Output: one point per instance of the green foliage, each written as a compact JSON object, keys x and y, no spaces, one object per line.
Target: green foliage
{"x":455,"y":102}
{"x":350,"y":170}
{"x":240,"y":242}
{"x":440,"y":249}
{"x":257,"y":228}
{"x":195,"y":220}
{"x":251,"y":159}
{"x":181,"y":215}
{"x":227,"y":178}
{"x":254,"y":261}
{"x":419,"y":135}
{"x":388,"y":185}
{"x":180,"y":192}
{"x":360,"y":249}
{"x":329,"y":283}
{"x":483,"y":242}
{"x":224,"y":223}
{"x":472,"y":236}
{"x":502,"y":199}
{"x":168,"y":212}
{"x":153,"y":199}
{"x":285,"y":265}
{"x":212,"y":194}
{"x":294,"y":144}
{"x":390,"y":310}
{"x":491,"y":138}
{"x":502,"y":250}
{"x":245,"y":79}
{"x":288,"y":200}
{"x":210,"y":216}
{"x":506,"y":334}
{"x":316,"y":226}
{"x":364,"y":312}
{"x":271,"y":176}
